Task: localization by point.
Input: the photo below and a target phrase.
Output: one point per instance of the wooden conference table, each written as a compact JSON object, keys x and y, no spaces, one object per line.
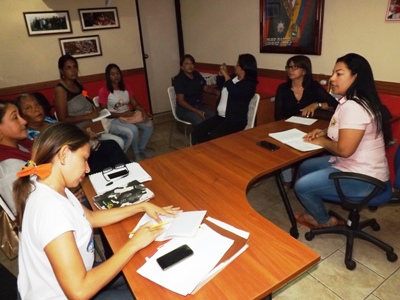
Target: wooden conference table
{"x":215,"y":176}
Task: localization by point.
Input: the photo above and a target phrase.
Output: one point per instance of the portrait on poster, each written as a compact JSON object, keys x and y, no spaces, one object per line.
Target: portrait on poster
{"x":393,"y":11}
{"x":291,"y":26}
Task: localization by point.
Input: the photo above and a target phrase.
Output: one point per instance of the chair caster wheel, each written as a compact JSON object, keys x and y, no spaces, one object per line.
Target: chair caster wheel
{"x":391,"y":256}
{"x":309,"y":236}
{"x":350,"y":265}
{"x":376,"y":227}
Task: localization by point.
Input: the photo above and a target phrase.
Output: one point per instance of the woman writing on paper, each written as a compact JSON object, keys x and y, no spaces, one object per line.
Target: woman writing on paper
{"x":356,"y":137}
{"x":300,"y":94}
{"x":56,"y":253}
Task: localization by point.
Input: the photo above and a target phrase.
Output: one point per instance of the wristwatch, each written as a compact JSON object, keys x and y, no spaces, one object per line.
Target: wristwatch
{"x":319,"y":104}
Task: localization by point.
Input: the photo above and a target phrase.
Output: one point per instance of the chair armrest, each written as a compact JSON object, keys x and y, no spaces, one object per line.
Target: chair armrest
{"x":360,"y":177}
{"x":379,"y":186}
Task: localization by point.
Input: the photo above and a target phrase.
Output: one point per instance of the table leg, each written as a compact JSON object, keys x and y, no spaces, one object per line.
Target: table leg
{"x":293,"y":231}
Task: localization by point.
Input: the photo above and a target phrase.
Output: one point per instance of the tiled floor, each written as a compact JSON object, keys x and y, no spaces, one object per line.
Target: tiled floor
{"x":374,"y":277}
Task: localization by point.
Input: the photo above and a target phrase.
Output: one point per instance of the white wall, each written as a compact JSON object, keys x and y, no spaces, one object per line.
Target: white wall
{"x":25,"y":59}
{"x":217,"y":31}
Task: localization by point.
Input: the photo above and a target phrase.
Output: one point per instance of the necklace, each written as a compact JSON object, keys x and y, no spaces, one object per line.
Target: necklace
{"x":298,"y":92}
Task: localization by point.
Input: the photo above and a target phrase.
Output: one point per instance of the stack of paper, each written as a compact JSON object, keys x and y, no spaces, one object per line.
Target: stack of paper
{"x":186,"y":224}
{"x":101,"y":185}
{"x":294,"y":139}
{"x":212,"y":251}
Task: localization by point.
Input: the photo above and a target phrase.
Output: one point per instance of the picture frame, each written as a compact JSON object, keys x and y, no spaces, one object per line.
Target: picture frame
{"x":393,"y":10}
{"x":99,"y":18}
{"x":285,"y":28}
{"x":82,"y":46}
{"x":47,"y":22}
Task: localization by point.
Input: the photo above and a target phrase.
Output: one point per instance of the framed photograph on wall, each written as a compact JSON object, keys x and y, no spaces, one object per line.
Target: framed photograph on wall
{"x":83,"y":46}
{"x":393,"y":10}
{"x":99,"y":18}
{"x":47,"y":22}
{"x":288,"y":26}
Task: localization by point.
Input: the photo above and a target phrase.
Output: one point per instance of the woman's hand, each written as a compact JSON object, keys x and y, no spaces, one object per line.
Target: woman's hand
{"x":92,"y":114}
{"x":145,"y":235}
{"x":126,"y":114}
{"x":315,"y":136}
{"x":201,"y":114}
{"x":308,"y":111}
{"x":155,"y":211}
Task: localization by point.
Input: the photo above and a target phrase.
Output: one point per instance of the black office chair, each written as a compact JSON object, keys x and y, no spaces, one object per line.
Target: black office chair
{"x":380,"y":195}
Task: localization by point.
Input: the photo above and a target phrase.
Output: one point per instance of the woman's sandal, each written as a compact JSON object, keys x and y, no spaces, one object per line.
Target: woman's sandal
{"x":310,"y":222}
{"x":302,"y":219}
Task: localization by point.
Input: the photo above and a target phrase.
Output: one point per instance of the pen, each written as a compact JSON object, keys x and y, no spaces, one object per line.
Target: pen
{"x":152,"y":227}
{"x":323,"y":130}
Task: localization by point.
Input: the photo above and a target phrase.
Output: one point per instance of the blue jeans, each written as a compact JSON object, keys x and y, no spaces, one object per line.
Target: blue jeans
{"x":192,"y":117}
{"x":116,"y":289}
{"x":314,"y":185}
{"x":130,"y":132}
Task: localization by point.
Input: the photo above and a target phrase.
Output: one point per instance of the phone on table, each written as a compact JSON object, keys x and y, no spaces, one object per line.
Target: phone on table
{"x":174,"y":256}
{"x":268,"y":145}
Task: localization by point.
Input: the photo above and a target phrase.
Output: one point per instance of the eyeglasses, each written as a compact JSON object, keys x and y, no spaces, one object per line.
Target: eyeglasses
{"x":114,"y":172}
{"x":294,"y":68}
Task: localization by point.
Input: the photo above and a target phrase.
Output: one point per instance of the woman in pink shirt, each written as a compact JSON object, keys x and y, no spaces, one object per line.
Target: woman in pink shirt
{"x":356,"y":137}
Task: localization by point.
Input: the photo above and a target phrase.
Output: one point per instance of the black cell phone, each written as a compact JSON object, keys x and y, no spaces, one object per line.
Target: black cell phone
{"x":176,"y":255}
{"x":268,"y":145}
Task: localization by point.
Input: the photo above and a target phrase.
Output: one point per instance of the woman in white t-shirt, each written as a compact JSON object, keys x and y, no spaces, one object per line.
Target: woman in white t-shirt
{"x":120,"y":101}
{"x":56,"y":250}
{"x":356,"y":137}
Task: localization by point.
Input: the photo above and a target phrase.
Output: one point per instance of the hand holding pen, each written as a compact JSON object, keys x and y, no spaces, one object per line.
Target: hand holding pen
{"x":316,"y":133}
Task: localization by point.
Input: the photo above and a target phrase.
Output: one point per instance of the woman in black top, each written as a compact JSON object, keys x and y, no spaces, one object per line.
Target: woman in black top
{"x":236,"y":93}
{"x":300,"y":94}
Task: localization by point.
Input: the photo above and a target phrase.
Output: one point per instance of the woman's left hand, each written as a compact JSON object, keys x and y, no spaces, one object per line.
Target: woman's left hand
{"x":155,"y":211}
{"x":308,"y":111}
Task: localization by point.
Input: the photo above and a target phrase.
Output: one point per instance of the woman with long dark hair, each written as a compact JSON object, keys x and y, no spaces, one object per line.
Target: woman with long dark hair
{"x":236,"y":93}
{"x":121,"y":102}
{"x":300,"y":95}
{"x":356,"y":138}
{"x":71,"y":100}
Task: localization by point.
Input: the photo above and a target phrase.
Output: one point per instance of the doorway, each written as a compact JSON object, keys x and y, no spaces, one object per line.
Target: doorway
{"x":160,"y":48}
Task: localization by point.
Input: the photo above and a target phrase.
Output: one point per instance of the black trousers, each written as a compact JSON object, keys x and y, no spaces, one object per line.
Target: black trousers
{"x":213,"y":128}
{"x":109,"y":154}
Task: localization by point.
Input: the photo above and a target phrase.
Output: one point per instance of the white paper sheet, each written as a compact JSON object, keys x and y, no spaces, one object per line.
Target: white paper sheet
{"x":185,"y":224}
{"x":208,"y":247}
{"x":294,"y":138}
{"x":301,"y":120}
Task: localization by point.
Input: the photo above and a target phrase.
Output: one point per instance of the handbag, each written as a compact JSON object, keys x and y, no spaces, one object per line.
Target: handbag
{"x":8,"y":235}
{"x":137,"y":117}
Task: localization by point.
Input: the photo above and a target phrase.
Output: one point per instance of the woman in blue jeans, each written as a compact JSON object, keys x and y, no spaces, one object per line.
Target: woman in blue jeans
{"x":356,"y":137}
{"x":120,"y":101}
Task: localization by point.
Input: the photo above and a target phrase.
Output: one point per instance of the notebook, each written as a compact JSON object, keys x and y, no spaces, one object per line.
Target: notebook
{"x":127,"y":194}
{"x":101,"y":185}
